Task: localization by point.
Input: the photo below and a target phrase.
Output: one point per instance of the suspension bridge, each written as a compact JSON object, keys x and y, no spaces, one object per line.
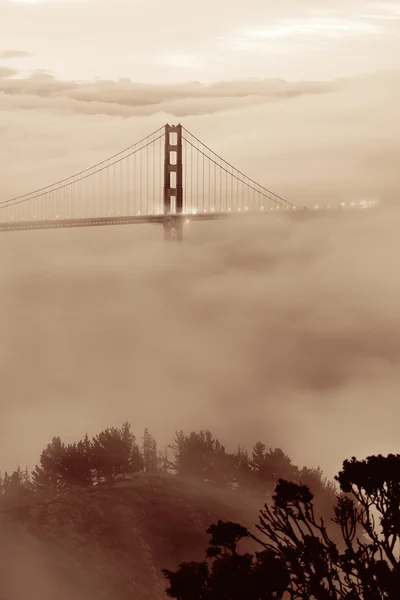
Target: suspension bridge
{"x":166,"y":178}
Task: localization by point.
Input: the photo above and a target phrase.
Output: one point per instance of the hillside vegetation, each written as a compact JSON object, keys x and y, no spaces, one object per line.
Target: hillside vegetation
{"x":101,"y":518}
{"x":112,"y":538}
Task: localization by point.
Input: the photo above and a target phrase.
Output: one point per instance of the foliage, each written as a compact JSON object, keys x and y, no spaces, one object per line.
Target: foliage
{"x":150,"y":453}
{"x":298,"y":559}
{"x":115,"y":452}
{"x":298,"y":553}
{"x":201,"y":455}
{"x":15,"y":488}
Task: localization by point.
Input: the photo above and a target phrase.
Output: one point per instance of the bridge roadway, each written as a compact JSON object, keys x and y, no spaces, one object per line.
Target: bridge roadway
{"x":149,"y":219}
{"x":63,"y":223}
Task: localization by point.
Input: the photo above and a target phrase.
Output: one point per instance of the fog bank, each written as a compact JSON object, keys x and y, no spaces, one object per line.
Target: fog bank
{"x":277,"y":330}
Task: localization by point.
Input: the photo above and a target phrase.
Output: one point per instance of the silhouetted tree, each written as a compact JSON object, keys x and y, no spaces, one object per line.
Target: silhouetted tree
{"x":149,"y":453}
{"x":258,"y":456}
{"x":298,"y":559}
{"x":269,"y":466}
{"x":46,"y":475}
{"x":111,"y":453}
{"x":61,"y":466}
{"x":15,"y":488}
{"x":314,"y":479}
{"x":115,"y":452}
{"x":242,"y":472}
{"x":325,"y":495}
{"x":200,"y":455}
{"x":227,"y":574}
{"x":75,"y":464}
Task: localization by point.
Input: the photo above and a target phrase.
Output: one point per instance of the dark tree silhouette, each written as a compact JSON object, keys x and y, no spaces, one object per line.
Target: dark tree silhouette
{"x":258,"y":456}
{"x":149,"y":453}
{"x":243,"y":474}
{"x":16,"y":488}
{"x":228,"y":574}
{"x":270,"y":466}
{"x":325,"y":494}
{"x":111,"y":453}
{"x":200,"y":455}
{"x":114,"y":453}
{"x":298,"y":559}
{"x":46,"y":475}
{"x":61,"y":466}
{"x":75,"y":464}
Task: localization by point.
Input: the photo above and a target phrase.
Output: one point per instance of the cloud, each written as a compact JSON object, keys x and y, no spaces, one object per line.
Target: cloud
{"x":280,"y":330}
{"x":6,"y":72}
{"x":311,"y":27}
{"x":9,"y":54}
{"x":310,"y":141}
{"x":42,"y":91}
{"x":383,"y":10}
{"x":307,"y":40}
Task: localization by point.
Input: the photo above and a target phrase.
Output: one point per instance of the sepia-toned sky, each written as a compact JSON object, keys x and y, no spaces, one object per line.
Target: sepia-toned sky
{"x":154,"y":41}
{"x":302,"y":98}
{"x":277,"y":331}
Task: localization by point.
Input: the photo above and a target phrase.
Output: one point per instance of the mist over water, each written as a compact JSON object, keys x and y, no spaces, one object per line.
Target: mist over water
{"x":279,"y":330}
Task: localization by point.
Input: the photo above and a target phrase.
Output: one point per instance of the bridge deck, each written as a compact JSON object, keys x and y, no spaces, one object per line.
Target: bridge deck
{"x":121,"y":220}
{"x":156,"y":219}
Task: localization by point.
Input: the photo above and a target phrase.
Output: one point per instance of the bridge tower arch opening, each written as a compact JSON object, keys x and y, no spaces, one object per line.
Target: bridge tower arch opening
{"x":173,"y":183}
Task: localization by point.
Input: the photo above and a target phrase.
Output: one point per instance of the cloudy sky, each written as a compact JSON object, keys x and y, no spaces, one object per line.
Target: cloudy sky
{"x":302,"y":98}
{"x":152,"y":41}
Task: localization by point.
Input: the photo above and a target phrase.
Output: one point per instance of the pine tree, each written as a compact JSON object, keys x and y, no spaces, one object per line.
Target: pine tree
{"x":46,"y":476}
{"x":115,"y":452}
{"x":27,"y":480}
{"x":200,"y":455}
{"x":149,"y":453}
{"x":16,"y":488}
{"x":242,"y":471}
{"x":270,"y":466}
{"x":75,"y":466}
{"x":258,"y":456}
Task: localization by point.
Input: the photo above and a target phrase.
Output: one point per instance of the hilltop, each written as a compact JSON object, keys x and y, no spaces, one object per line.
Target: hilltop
{"x":100,"y":518}
{"x":111,"y":541}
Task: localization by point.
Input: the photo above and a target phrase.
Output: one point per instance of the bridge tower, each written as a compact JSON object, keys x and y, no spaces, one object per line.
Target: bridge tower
{"x":173,"y":189}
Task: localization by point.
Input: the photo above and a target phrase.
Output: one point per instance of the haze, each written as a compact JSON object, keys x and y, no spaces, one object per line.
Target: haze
{"x":280,"y":331}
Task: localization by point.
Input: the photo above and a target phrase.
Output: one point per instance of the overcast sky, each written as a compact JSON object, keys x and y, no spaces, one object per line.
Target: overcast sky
{"x":180,"y":40}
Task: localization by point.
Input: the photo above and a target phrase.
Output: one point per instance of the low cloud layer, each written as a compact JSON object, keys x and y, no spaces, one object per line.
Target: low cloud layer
{"x":124,"y":98}
{"x":285,"y":331}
